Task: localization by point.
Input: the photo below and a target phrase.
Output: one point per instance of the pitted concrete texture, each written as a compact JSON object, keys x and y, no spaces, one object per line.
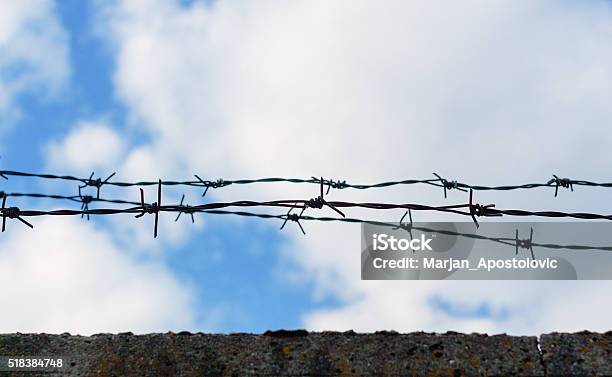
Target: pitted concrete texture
{"x":584,"y":353}
{"x":299,"y":353}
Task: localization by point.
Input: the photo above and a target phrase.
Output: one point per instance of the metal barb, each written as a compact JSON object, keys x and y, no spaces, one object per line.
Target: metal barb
{"x":185,"y":209}
{"x":332,"y":184}
{"x":3,"y":216}
{"x":320,"y":201}
{"x":472,"y":209}
{"x":406,"y":226}
{"x":524,"y":244}
{"x":477,"y":210}
{"x":293,"y":217}
{"x":561,"y":182}
{"x":438,"y":181}
{"x":449,"y":185}
{"x":214,"y":184}
{"x":97,"y":183}
{"x":152,"y":208}
{"x":85,"y":200}
{"x":11,"y":213}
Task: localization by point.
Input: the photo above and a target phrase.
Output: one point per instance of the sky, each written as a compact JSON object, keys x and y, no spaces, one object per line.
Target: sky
{"x":492,"y":92}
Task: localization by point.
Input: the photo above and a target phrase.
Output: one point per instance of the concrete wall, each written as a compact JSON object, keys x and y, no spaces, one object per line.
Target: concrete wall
{"x":319,"y":354}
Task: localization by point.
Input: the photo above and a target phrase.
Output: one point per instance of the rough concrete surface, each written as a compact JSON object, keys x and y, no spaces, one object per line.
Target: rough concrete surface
{"x":584,"y":353}
{"x":299,"y":353}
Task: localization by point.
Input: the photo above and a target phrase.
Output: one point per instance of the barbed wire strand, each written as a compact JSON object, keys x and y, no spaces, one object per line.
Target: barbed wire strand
{"x":516,"y":242}
{"x":446,"y":184}
{"x":472,"y":209}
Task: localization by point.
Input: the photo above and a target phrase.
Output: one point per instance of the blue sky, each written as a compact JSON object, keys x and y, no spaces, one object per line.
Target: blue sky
{"x":87,"y":93}
{"x":248,"y":89}
{"x":247,"y":286}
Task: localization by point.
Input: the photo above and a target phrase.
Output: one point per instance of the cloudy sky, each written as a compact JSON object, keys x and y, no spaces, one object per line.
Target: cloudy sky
{"x":488,"y":92}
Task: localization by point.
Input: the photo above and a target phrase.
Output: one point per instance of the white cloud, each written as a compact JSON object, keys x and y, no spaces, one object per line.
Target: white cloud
{"x":491,"y":92}
{"x":79,"y":277}
{"x":89,"y":146}
{"x":98,"y":147}
{"x":33,"y":53}
{"x":83,"y":283}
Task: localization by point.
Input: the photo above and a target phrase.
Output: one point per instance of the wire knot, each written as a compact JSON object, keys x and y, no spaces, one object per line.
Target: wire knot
{"x":561,"y":182}
{"x":185,"y":209}
{"x":406,"y":226}
{"x":320,"y":201}
{"x":332,"y":184}
{"x":481,"y":210}
{"x":214,"y":184}
{"x":449,"y":185}
{"x":85,"y":200}
{"x":478,"y":210}
{"x":295,"y":218}
{"x":11,"y":213}
{"x":524,"y":243}
{"x":152,"y":208}
{"x":317,"y":203}
{"x":97,"y":183}
{"x":218,"y":183}
{"x":338,"y":184}
{"x":94,"y":182}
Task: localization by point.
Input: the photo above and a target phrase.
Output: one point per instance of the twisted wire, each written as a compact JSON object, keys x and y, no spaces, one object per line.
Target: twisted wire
{"x":141,"y":207}
{"x":444,"y":183}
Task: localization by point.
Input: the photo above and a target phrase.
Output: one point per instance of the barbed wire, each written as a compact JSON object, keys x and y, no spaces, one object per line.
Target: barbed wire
{"x":446,"y":184}
{"x":515,"y":242}
{"x":141,"y":208}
